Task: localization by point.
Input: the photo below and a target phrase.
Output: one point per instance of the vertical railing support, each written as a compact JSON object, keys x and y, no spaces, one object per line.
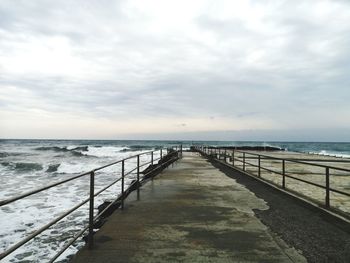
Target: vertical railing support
{"x":283,"y":174}
{"x":225,"y":155}
{"x":327,"y":187}
{"x":161,"y":153}
{"x":122,"y":196}
{"x":233,"y":157}
{"x":138,"y":177}
{"x":152,"y":157}
{"x":259,"y":166}
{"x":91,"y":210}
{"x":244,"y":161}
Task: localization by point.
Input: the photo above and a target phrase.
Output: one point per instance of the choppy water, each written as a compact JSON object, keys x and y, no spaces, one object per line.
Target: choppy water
{"x":29,"y":164}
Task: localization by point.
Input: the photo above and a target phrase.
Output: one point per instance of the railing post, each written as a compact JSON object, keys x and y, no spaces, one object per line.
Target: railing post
{"x":181,"y":150}
{"x":327,"y":187}
{"x":91,"y":210}
{"x":152,"y":157}
{"x":244,"y":161}
{"x":233,"y":157}
{"x":122,"y":196}
{"x":283,"y":174}
{"x":138,"y":177}
{"x":259,"y":166}
{"x":225,"y":155}
{"x":161,"y":153}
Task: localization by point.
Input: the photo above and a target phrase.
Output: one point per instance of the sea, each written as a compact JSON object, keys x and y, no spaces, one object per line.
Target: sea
{"x":26,"y":165}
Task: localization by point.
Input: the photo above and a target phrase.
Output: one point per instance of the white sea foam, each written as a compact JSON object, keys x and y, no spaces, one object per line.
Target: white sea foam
{"x":330,"y":153}
{"x":75,"y":167}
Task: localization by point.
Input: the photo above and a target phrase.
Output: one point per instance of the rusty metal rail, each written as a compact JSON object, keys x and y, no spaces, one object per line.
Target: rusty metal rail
{"x":164,"y":161}
{"x":245,"y":156}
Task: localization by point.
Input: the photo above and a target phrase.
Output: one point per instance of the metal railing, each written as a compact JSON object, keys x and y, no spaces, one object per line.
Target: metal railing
{"x":163,"y":161}
{"x":244,"y":159}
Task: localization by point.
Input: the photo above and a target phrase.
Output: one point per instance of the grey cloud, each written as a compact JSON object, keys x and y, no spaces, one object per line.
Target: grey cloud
{"x":295,"y":63}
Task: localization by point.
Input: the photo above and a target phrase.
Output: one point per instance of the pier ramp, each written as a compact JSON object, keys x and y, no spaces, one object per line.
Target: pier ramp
{"x":191,"y":212}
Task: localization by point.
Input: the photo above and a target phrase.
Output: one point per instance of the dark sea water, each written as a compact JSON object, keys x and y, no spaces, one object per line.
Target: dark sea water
{"x":337,"y":148}
{"x":29,"y":164}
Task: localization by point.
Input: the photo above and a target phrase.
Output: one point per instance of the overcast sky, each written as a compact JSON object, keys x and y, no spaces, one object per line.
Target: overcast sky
{"x":236,"y":70}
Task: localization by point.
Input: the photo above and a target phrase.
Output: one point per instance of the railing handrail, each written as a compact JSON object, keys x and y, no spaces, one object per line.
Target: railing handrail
{"x":296,"y":161}
{"x":96,"y":217}
{"x":92,"y":219}
{"x":218,"y":150}
{"x":119,"y":161}
{"x":38,"y":190}
{"x":286,"y":159}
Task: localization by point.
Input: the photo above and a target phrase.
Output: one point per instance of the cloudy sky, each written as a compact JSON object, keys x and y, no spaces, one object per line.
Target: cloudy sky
{"x":236,"y":70}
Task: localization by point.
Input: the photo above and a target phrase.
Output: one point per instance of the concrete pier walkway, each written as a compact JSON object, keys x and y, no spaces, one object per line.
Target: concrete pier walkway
{"x":191,"y":212}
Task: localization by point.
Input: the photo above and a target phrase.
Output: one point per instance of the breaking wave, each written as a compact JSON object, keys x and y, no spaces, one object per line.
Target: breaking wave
{"x":79,"y":154}
{"x":139,"y":147}
{"x":72,"y":150}
{"x":105,"y":151}
{"x":52,"y":148}
{"x":79,"y":148}
{"x":95,"y":151}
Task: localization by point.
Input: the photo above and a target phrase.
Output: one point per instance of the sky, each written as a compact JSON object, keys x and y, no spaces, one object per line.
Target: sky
{"x":197,"y":70}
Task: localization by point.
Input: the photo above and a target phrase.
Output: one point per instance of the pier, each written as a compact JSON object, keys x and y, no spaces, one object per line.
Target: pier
{"x":211,"y":204}
{"x":192,"y":212}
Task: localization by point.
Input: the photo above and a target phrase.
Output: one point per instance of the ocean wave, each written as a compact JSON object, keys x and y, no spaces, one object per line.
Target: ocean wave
{"x":77,"y":151}
{"x":105,"y":151}
{"x":3,"y":154}
{"x":80,"y":154}
{"x":52,"y":148}
{"x":23,"y":167}
{"x":62,"y":149}
{"x":7,"y":154}
{"x":139,"y":147}
{"x":53,"y":168}
{"x":5,"y":164}
{"x":95,"y":151}
{"x":79,"y":148}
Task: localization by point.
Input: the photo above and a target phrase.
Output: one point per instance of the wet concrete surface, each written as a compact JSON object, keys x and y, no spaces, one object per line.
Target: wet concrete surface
{"x":191,"y":212}
{"x":320,"y":237}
